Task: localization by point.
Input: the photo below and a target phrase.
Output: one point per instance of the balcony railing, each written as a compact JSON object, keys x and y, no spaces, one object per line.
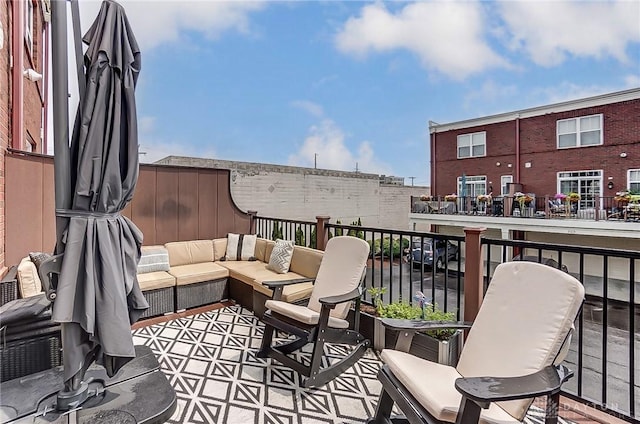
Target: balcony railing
{"x":590,"y":208}
{"x":604,"y":348}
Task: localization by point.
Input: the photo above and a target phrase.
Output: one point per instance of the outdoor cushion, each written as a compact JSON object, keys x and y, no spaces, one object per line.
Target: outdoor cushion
{"x":536,"y":325}
{"x":433,"y":389}
{"x":28,"y":280}
{"x":281,"y":255}
{"x":219,"y":248}
{"x":197,"y":273}
{"x":240,"y":247}
{"x":189,"y":252}
{"x":156,"y":280}
{"x":302,"y":313}
{"x":263,"y":249}
{"x":153,"y":258}
{"x":306,"y":261}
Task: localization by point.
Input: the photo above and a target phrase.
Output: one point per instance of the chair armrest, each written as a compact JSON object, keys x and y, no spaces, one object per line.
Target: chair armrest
{"x":422,"y":325}
{"x":341,"y":298}
{"x":282,"y":283}
{"x":9,"y":286}
{"x":484,"y":390}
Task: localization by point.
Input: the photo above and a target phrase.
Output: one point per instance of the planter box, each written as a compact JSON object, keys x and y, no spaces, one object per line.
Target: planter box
{"x":423,"y":346}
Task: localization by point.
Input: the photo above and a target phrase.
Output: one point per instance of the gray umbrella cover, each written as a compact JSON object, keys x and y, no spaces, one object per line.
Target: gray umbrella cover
{"x":98,"y":296}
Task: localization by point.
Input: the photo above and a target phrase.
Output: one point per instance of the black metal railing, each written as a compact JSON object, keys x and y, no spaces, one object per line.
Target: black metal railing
{"x":302,"y":232}
{"x":605,"y":345}
{"x":592,"y":208}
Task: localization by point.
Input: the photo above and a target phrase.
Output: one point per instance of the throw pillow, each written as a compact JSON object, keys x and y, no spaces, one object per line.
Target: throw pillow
{"x":240,"y":247}
{"x":28,"y":280}
{"x":38,"y":257}
{"x":281,"y":255}
{"x":153,"y":259}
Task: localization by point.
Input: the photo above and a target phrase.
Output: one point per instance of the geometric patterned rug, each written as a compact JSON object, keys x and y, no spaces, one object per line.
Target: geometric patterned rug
{"x":209,"y":358}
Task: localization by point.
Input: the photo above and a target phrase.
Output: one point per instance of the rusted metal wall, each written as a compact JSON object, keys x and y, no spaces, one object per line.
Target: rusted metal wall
{"x":170,"y":204}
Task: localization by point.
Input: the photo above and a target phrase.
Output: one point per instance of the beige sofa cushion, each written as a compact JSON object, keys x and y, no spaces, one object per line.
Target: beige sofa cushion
{"x":197,"y":273}
{"x":305,"y":261}
{"x":219,"y":248}
{"x":253,"y":273}
{"x":29,"y":283}
{"x":156,"y":280}
{"x":303,"y":314}
{"x":263,"y":249}
{"x":189,"y":252}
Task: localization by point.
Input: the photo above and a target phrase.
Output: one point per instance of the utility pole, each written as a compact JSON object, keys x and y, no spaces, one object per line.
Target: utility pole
{"x":412,"y":178}
{"x":315,"y":161}
{"x":356,"y":167}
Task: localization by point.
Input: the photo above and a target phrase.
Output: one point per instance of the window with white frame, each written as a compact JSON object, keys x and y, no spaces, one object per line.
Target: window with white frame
{"x":579,"y":132}
{"x":504,"y":180}
{"x":472,"y":145}
{"x":28,"y":24}
{"x":473,"y":185}
{"x":586,"y":183}
{"x":633,"y":180}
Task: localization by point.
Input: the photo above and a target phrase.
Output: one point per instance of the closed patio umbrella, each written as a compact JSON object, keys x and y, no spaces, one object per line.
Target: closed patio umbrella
{"x":98,"y":296}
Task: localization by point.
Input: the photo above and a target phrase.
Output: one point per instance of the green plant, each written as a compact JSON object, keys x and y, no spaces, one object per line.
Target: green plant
{"x":386,"y":246}
{"x":403,"y":310}
{"x":356,"y":233}
{"x":300,"y":239}
{"x":276,"y":233}
{"x":339,"y":231}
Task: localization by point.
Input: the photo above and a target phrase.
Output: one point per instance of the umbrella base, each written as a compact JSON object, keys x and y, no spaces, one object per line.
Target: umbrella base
{"x":139,"y":393}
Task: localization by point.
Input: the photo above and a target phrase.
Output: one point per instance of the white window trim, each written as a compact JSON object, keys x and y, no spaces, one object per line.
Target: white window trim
{"x":503,"y":178}
{"x":578,"y":138}
{"x":471,"y":155}
{"x":629,"y":171}
{"x":28,"y":24}
{"x":480,"y":178}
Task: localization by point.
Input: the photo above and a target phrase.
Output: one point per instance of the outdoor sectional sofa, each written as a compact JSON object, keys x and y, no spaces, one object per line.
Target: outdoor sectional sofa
{"x":198,"y":274}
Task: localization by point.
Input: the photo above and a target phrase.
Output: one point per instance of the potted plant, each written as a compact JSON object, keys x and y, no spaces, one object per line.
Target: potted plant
{"x":573,"y":197}
{"x":441,"y":345}
{"x":425,"y":197}
{"x":451,"y":197}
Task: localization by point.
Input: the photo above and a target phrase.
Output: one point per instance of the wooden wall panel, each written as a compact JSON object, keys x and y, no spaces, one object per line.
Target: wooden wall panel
{"x":188,"y":204}
{"x":170,"y":203}
{"x":24,"y":210}
{"x":208,"y":205}
{"x":143,"y":205}
{"x":166,"y":206}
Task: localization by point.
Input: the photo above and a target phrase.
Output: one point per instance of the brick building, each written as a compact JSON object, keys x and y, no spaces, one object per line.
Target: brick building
{"x":23,"y":28}
{"x":590,"y":146}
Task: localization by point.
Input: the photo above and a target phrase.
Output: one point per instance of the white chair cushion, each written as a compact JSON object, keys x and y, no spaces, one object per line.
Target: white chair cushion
{"x":524,"y":319}
{"x":302,"y":314}
{"x":340,"y":272}
{"x":29,"y":282}
{"x":432,"y":384}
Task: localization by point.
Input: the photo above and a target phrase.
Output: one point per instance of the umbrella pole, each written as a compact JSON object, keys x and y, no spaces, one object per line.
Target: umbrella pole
{"x":60,"y":82}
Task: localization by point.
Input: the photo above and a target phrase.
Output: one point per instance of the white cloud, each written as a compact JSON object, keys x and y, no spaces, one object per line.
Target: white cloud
{"x":327,"y":141}
{"x":154,"y":147}
{"x":155,"y":22}
{"x":551,"y":31}
{"x":490,"y":92}
{"x":312,"y":108}
{"x":632,"y":80}
{"x":446,"y":36}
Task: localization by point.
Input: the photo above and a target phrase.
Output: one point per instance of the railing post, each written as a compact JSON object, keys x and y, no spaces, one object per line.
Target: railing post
{"x":473,"y":275}
{"x":547,"y":209}
{"x":597,"y":209}
{"x":321,"y":231}
{"x":252,"y":221}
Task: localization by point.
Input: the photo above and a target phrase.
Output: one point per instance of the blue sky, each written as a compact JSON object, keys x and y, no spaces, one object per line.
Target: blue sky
{"x":356,"y":83}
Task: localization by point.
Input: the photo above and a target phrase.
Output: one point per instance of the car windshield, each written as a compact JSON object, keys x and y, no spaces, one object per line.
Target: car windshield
{"x":425,"y":245}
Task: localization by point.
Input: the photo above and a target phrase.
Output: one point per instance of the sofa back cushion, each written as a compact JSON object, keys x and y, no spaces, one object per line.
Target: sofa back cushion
{"x":153,"y":258}
{"x":306,"y":261}
{"x":189,"y":252}
{"x":263,"y":249}
{"x":219,"y":248}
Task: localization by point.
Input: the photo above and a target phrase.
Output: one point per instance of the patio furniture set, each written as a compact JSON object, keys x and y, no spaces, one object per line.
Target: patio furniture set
{"x":307,"y":294}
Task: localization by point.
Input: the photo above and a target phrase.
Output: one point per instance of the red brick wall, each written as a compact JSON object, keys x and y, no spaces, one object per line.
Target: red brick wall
{"x":33,"y":91}
{"x":538,"y":146}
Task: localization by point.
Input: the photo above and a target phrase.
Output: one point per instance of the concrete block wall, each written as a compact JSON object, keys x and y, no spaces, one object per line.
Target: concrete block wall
{"x":303,"y":193}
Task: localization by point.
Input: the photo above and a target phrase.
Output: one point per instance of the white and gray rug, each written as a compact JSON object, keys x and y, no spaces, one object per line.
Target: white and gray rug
{"x":210,"y":360}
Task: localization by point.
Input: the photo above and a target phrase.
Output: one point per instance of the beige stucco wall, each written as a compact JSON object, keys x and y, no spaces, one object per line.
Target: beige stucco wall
{"x":298,"y":193}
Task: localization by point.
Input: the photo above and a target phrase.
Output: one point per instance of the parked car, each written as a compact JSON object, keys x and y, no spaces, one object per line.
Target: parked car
{"x":423,"y":254}
{"x":545,"y":261}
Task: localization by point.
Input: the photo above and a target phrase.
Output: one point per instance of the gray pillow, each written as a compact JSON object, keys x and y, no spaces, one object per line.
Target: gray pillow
{"x":281,"y":255}
{"x":153,"y":259}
